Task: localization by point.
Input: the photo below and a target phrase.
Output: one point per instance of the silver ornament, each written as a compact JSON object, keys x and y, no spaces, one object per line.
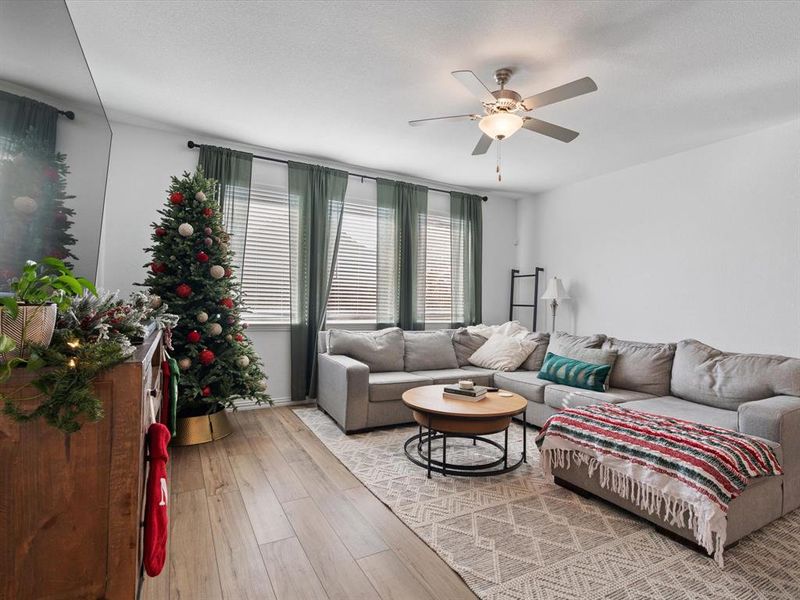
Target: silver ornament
{"x":202,"y":317}
{"x":217,"y":272}
{"x":214,"y":329}
{"x":185,"y":229}
{"x":200,"y":196}
{"x":243,"y":362}
{"x":185,"y":363}
{"x":229,"y":338}
{"x":26,"y":205}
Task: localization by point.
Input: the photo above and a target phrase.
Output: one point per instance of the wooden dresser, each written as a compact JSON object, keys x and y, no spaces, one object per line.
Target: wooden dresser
{"x":71,"y":506}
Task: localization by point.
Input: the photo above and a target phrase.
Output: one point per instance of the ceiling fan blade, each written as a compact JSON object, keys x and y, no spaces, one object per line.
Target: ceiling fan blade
{"x":476,"y":87}
{"x":554,"y":131}
{"x":562,"y":92}
{"x":419,"y":122}
{"x":483,"y":145}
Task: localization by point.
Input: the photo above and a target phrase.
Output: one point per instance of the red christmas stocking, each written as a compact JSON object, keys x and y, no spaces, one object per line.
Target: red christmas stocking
{"x":156,"y":522}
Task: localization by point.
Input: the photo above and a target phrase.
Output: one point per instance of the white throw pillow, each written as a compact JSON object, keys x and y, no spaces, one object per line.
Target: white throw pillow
{"x":509,"y":328}
{"x":502,"y":353}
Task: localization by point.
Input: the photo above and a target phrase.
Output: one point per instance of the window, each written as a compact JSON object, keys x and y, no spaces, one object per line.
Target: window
{"x":438,"y":302}
{"x":265,"y":277}
{"x":354,"y":287}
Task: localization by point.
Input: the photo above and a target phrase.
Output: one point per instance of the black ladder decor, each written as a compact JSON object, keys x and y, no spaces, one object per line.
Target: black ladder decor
{"x":511,"y":306}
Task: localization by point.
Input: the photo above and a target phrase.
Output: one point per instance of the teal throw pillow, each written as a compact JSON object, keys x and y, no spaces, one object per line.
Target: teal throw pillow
{"x":575,"y":373}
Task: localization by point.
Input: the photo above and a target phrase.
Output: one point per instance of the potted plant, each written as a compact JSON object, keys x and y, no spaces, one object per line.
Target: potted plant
{"x":28,"y":314}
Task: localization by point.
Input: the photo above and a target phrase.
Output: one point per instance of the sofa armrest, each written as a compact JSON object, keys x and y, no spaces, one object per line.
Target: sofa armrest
{"x":343,"y":390}
{"x":778,"y":419}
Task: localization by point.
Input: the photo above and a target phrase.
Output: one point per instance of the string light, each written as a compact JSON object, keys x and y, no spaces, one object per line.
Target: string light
{"x":74,"y":343}
{"x":72,"y":363}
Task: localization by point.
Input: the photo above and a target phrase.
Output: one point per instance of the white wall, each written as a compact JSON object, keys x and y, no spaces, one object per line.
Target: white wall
{"x":142,"y":161}
{"x":702,"y":244}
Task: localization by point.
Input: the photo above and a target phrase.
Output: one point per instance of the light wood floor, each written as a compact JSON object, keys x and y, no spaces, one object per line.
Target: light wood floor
{"x":269,"y":512}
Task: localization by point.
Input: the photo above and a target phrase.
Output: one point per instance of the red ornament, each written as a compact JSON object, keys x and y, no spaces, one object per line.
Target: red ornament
{"x":206,"y":391}
{"x":51,"y":173}
{"x":158,"y":267}
{"x":226,"y":302}
{"x":161,"y":232}
{"x":201,"y":257}
{"x":176,"y":197}
{"x":206,"y":357}
{"x":60,"y":216}
{"x":239,"y":337}
{"x":228,"y":272}
{"x":183,"y":291}
{"x":193,"y":336}
{"x":207,"y":212}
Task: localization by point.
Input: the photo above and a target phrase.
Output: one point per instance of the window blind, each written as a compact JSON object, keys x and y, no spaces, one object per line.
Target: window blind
{"x":438,"y":303}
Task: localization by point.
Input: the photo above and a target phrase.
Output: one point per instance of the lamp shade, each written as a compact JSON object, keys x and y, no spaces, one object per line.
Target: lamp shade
{"x":555,"y":290}
{"x":500,"y":125}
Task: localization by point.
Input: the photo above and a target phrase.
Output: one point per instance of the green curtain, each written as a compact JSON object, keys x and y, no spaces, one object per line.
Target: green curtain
{"x":316,"y":205}
{"x":233,"y":171}
{"x":402,"y":226}
{"x":466,"y":254}
{"x":22,"y":118}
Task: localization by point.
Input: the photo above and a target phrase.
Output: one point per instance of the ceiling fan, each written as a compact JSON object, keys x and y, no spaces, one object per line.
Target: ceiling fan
{"x":500,"y":119}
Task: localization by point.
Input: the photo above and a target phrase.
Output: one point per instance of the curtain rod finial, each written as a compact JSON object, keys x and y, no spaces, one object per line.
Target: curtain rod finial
{"x":485,"y":198}
{"x":191,"y":144}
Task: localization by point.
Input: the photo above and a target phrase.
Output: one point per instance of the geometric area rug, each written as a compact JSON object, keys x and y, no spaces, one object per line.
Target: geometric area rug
{"x":519,"y":536}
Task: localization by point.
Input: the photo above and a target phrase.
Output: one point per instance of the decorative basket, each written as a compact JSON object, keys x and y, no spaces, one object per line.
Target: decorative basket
{"x":34,"y":324}
{"x":202,"y":429}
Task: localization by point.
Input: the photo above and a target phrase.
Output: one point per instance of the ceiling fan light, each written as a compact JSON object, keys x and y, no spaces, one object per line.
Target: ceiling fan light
{"x":500,"y":125}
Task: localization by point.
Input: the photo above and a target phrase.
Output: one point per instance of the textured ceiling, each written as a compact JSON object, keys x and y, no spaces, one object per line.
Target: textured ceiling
{"x":339,"y":80}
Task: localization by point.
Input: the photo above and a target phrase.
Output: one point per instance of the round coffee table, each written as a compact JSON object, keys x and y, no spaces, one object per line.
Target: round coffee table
{"x":445,"y":418}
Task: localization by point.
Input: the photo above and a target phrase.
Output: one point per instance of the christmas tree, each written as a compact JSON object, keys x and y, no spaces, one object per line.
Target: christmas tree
{"x":35,"y":222}
{"x":191,"y":270}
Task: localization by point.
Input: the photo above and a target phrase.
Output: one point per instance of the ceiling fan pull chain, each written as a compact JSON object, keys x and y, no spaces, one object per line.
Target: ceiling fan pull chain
{"x":499,"y":160}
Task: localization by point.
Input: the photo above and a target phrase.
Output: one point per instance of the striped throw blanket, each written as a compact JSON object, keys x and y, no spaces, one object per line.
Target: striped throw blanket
{"x":684,"y":472}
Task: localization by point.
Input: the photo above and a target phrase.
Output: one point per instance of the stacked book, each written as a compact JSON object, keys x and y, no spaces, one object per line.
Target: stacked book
{"x":474,"y":394}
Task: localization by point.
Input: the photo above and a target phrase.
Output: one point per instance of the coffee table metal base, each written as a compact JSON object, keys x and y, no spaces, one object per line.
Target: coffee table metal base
{"x":420,"y":444}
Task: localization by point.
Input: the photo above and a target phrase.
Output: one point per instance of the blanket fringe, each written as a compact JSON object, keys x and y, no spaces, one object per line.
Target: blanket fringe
{"x":675,"y":511}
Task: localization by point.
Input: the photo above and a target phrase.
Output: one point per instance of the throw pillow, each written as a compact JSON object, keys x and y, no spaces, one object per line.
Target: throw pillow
{"x":561,"y":342}
{"x":535,"y":360}
{"x":380,"y":350}
{"x":641,"y":366}
{"x":574,"y":373}
{"x":426,"y":350}
{"x":596,"y":356}
{"x":502,"y":353}
{"x":465,"y":344}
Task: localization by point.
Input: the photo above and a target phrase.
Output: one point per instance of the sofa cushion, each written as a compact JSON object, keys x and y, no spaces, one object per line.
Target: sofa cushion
{"x":502,"y":352}
{"x":579,"y":373}
{"x":380,"y":350}
{"x":677,"y":408}
{"x":709,"y":376}
{"x":429,"y":350}
{"x":641,"y":366}
{"x":565,"y":396}
{"x":536,"y":358}
{"x":465,"y":344}
{"x":387,"y":386}
{"x":561,"y":342}
{"x":525,"y":383}
{"x":478,"y":376}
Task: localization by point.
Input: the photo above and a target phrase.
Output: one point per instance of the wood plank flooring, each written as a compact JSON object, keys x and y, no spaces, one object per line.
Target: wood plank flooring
{"x":270,"y":513}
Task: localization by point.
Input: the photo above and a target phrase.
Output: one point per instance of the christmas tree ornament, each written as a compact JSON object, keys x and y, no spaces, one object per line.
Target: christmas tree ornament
{"x":239,"y":337}
{"x":217,"y":272}
{"x":208,"y":242}
{"x":202,"y":317}
{"x":183,"y":291}
{"x":201,"y":257}
{"x":243,"y":362}
{"x":206,"y":391}
{"x":200,"y":197}
{"x":207,"y":230}
{"x":185,"y":229}
{"x":231,"y":319}
{"x":229,"y":338}
{"x":262,"y":385}
{"x":206,"y":357}
{"x":176,"y":197}
{"x":155,"y":301}
{"x":193,"y":336}
{"x":173,"y":257}
{"x":60,"y":216}
{"x":161,"y":232}
{"x":25,"y":205}
{"x":228,"y":272}
{"x":226,"y":302}
{"x":214,"y":329}
{"x":185,"y":363}
{"x":158,"y":267}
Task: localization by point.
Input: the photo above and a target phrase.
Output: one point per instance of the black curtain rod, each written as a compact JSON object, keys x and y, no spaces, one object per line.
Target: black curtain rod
{"x":191,"y":144}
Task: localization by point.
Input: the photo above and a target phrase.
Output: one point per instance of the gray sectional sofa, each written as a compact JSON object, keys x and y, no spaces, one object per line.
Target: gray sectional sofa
{"x":752,"y":393}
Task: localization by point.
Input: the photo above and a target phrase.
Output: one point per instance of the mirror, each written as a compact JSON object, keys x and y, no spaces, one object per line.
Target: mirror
{"x":55,"y":141}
